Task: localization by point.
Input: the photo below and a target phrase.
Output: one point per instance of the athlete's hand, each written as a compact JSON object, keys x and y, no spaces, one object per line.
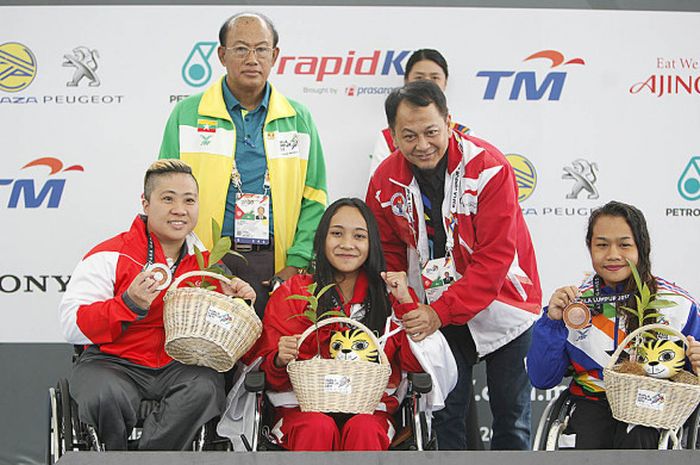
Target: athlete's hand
{"x":561,"y":298}
{"x":287,"y":350}
{"x":142,"y":290}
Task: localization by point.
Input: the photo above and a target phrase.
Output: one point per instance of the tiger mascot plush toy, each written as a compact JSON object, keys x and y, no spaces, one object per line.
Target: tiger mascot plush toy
{"x":353,"y":344}
{"x":662,"y":358}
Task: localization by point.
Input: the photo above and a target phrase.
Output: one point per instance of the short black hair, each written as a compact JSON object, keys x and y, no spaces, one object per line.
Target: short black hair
{"x":426,"y":54}
{"x":227,"y":24}
{"x":162,"y":168}
{"x":417,"y":93}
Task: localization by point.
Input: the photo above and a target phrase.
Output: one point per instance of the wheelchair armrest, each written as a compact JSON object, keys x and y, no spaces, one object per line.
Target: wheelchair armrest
{"x":421,"y":383}
{"x":254,"y":381}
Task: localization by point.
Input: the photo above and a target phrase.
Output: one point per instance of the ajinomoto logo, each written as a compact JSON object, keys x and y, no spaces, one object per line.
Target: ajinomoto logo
{"x":534,"y":85}
{"x":525,"y":175}
{"x":17,"y":67}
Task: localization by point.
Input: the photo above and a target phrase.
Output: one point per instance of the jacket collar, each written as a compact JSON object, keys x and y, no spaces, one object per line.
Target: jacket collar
{"x":137,"y":233}
{"x":214,"y":105}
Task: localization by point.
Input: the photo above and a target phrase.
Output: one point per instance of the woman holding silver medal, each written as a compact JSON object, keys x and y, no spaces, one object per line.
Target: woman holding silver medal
{"x":582,"y":326}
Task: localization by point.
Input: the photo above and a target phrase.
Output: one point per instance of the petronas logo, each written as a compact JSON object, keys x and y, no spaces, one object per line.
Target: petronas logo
{"x":689,"y":182}
{"x":197,"y":71}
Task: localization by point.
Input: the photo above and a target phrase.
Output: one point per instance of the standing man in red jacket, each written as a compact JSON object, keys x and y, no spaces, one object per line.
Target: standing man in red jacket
{"x":113,"y":306}
{"x":448,"y":213}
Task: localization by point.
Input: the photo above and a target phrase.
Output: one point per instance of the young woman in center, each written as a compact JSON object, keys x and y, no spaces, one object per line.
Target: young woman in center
{"x":348,"y":254}
{"x":617,"y":232}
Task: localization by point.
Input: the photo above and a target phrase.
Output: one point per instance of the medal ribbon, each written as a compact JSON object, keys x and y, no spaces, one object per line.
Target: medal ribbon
{"x":597,"y":300}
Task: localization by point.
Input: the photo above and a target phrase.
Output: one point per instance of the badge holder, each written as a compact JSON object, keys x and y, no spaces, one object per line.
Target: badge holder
{"x":252,"y":219}
{"x":438,"y":274}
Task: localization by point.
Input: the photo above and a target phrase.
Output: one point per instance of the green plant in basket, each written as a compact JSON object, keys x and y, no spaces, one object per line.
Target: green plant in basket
{"x":645,"y":301}
{"x":311,"y":310}
{"x":221,"y":247}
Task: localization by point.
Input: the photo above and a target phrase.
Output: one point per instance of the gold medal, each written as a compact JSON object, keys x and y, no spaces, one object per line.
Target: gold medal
{"x":576,"y":315}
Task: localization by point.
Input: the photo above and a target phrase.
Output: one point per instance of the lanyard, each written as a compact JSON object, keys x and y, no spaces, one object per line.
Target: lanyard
{"x":598,"y":300}
{"x":357,"y":311}
{"x":448,"y":220}
{"x":151,"y":253}
{"x":236,"y":174}
{"x":238,"y":183}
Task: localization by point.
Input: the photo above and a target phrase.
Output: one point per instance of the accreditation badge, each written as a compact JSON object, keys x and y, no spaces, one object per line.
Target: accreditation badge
{"x":252,"y":220}
{"x":438,"y":274}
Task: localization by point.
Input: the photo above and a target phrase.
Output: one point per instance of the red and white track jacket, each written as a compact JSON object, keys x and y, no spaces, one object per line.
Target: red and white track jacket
{"x":93,"y":311}
{"x":498,"y":294}
{"x":278,"y":321}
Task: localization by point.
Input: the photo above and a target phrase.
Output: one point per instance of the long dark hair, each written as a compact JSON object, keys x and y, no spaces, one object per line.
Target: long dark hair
{"x":635,"y":220}
{"x":377,"y":300}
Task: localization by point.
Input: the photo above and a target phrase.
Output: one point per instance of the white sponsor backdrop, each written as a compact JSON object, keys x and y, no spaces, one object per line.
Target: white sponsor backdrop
{"x":640,"y":142}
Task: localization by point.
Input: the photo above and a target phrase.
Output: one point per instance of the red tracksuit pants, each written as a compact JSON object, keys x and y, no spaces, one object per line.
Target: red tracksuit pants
{"x":312,"y":431}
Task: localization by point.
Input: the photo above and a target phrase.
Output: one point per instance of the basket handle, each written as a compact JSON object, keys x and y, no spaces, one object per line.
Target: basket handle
{"x":190,"y":274}
{"x":630,"y":336}
{"x":346,"y":320}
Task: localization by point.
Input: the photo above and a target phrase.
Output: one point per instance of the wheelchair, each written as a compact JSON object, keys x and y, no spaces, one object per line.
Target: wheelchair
{"x":413,"y":429}
{"x":556,"y":415}
{"x":66,"y":433}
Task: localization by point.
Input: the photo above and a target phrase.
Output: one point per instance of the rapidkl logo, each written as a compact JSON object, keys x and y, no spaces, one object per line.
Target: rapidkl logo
{"x":33,"y":195}
{"x":551,"y":85}
{"x":379,"y":62}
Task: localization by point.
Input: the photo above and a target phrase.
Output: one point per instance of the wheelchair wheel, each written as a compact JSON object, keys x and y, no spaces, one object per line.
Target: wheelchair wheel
{"x":54,"y":439}
{"x":66,"y":417}
{"x":60,"y":423}
{"x":551,"y":423}
{"x":693,"y":426}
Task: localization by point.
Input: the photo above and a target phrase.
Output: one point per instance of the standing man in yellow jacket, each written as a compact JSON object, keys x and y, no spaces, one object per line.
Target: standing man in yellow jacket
{"x":252,"y":150}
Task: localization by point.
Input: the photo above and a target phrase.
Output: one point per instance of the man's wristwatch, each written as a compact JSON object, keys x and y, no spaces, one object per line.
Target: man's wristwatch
{"x":275,"y":282}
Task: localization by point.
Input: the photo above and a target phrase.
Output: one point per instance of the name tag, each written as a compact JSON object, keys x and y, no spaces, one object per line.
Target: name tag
{"x":438,"y":274}
{"x":337,"y":383}
{"x":252,"y":219}
{"x":218,"y":317}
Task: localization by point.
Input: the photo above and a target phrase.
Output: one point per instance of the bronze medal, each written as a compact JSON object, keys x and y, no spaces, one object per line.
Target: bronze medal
{"x":162,"y":275}
{"x":576,"y":315}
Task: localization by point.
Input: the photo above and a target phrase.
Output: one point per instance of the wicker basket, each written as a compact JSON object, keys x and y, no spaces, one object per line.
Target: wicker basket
{"x":647,"y":401}
{"x":329,"y":385}
{"x":207,"y":328}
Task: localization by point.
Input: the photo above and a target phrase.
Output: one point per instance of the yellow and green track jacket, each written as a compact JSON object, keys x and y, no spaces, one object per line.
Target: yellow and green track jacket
{"x":200,"y":132}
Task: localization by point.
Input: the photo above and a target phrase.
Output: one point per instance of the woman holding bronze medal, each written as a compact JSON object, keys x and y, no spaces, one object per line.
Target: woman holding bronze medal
{"x":582,"y":326}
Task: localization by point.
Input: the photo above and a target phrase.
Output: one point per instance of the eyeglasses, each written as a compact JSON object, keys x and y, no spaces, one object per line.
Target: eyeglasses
{"x":242,"y":52}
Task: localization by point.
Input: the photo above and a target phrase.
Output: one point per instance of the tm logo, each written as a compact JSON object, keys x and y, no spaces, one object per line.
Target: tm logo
{"x":552,"y":82}
{"x":26,"y":189}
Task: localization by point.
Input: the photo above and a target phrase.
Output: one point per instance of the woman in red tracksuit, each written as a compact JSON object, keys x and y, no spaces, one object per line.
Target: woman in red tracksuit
{"x":348,"y":253}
